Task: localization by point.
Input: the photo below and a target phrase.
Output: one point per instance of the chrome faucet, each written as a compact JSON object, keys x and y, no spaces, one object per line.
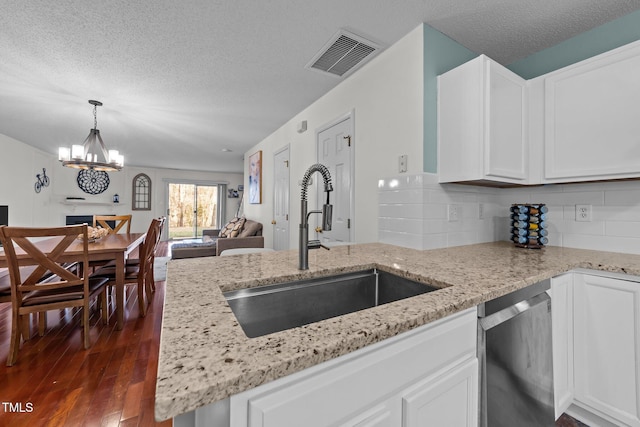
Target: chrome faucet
{"x":327,"y":212}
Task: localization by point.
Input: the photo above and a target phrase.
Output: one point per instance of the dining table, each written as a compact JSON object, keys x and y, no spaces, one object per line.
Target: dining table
{"x":113,"y":247}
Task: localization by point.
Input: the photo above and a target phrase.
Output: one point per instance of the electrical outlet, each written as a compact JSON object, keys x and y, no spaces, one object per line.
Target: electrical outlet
{"x":583,"y":213}
{"x":402,"y":163}
{"x":453,"y":213}
{"x":481,"y":211}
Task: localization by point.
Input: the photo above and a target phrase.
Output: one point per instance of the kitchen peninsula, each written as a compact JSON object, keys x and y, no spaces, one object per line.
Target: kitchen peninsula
{"x":205,"y":356}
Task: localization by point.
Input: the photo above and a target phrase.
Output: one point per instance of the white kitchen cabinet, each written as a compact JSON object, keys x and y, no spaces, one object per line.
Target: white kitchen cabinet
{"x":481,"y":124}
{"x":441,"y":401}
{"x":422,"y":376}
{"x":591,"y":126}
{"x":562,"y":339}
{"x":607,"y":347}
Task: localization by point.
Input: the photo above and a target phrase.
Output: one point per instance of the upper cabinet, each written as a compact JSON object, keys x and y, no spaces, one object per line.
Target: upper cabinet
{"x":591,"y":120}
{"x":579,"y":123}
{"x":481,"y":126}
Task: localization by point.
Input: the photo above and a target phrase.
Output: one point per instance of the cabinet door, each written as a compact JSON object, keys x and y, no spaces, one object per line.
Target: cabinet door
{"x":607,"y":347}
{"x":505,"y":140}
{"x":451,"y":400}
{"x":481,"y":127}
{"x":562,"y":335}
{"x":591,"y":120}
{"x":461,"y":122}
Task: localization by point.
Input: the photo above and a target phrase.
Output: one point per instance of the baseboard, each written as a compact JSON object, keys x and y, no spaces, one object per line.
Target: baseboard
{"x":588,"y":417}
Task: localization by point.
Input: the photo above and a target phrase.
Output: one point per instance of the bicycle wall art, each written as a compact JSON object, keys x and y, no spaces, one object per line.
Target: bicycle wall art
{"x":42,"y":180}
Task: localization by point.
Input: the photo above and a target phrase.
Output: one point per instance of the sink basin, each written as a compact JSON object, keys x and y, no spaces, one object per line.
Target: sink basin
{"x":267,"y":309}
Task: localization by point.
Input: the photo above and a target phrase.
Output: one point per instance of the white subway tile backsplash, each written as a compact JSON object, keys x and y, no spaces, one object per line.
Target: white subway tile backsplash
{"x":413,"y":212}
{"x":431,"y":211}
{"x":438,"y":196}
{"x":622,"y":229}
{"x":629,"y":197}
{"x":571,"y":226}
{"x":400,"y":196}
{"x":616,"y":213}
{"x":461,"y":238}
{"x":569,"y":198}
{"x":408,"y":240}
{"x":434,"y":226}
{"x":434,"y":241}
{"x":400,"y":210}
{"x":603,"y":243}
{"x":401,"y":225}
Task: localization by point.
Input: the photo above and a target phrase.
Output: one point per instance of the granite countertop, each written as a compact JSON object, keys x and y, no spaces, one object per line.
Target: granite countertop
{"x":205,"y":356}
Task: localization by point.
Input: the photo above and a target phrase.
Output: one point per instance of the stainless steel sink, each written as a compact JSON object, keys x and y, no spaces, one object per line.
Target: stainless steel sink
{"x":267,"y":309}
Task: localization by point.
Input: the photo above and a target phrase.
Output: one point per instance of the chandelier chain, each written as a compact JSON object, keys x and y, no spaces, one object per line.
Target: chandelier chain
{"x":95,"y":117}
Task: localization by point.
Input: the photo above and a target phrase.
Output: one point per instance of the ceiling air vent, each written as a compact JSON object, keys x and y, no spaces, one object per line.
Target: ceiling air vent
{"x":344,"y":53}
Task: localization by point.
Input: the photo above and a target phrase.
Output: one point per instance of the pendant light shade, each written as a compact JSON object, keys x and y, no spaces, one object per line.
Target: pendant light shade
{"x":92,"y":154}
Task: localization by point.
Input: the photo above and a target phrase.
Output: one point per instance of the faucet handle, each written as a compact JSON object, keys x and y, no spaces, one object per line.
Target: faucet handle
{"x":315,"y":244}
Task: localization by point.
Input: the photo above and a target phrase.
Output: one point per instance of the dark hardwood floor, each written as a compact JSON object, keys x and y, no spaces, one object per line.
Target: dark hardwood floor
{"x":57,"y":383}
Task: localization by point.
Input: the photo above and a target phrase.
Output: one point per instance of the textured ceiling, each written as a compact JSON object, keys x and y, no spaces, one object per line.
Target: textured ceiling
{"x":181,"y":80}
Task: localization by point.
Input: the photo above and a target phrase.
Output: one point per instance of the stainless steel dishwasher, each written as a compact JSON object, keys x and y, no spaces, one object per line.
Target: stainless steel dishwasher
{"x":515,"y":355}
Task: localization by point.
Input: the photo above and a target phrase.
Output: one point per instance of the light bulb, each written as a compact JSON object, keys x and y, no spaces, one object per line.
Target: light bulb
{"x":64,"y":154}
{"x":77,"y":152}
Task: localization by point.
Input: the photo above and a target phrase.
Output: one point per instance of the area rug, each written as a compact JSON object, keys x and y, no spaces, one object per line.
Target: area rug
{"x":160,"y":268}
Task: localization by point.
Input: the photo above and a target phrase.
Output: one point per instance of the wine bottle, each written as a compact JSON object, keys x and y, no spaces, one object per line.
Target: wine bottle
{"x":520,"y":239}
{"x":520,"y":209}
{"x":519,"y":231}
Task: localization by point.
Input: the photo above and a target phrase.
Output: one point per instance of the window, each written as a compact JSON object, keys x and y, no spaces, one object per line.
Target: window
{"x":141,"y":193}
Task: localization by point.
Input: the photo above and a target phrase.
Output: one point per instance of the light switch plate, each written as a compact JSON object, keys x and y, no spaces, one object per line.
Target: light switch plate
{"x":402,"y":163}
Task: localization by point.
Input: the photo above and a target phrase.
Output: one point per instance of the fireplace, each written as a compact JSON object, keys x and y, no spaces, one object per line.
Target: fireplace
{"x":84,"y":219}
{"x":4,"y":215}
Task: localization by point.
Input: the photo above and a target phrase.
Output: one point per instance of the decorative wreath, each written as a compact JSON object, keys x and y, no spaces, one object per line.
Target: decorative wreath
{"x":93,"y":181}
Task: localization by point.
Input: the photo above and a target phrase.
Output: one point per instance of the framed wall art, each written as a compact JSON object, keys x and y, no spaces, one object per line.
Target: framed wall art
{"x":141,"y":192}
{"x":255,"y":178}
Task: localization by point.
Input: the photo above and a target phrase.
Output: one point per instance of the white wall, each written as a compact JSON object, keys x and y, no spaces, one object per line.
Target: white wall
{"x":22,"y":162}
{"x":386,"y":96}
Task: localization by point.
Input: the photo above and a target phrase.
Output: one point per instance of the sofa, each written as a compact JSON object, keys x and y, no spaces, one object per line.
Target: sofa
{"x":237,"y":233}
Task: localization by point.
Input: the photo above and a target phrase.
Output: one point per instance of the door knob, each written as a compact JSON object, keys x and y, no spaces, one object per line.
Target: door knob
{"x":318,"y":229}
{"x":273,"y":221}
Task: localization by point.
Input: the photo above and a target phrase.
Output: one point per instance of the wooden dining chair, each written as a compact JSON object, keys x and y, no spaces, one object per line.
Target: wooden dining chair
{"x":51,"y":285}
{"x":120,"y":222}
{"x":158,"y":235}
{"x":5,"y":286}
{"x":138,"y":271}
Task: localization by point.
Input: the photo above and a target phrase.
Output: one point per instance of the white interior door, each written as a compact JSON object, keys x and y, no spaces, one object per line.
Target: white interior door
{"x":335,"y":148}
{"x":281,"y":200}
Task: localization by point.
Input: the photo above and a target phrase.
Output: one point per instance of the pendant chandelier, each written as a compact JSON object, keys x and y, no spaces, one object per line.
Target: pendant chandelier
{"x":92,"y":154}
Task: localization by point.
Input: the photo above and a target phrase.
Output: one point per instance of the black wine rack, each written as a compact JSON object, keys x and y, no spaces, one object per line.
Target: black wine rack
{"x":529,"y":225}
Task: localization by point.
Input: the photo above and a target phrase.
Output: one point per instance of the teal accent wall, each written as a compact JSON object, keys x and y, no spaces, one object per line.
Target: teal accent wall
{"x":601,"y":39}
{"x":441,"y":54}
